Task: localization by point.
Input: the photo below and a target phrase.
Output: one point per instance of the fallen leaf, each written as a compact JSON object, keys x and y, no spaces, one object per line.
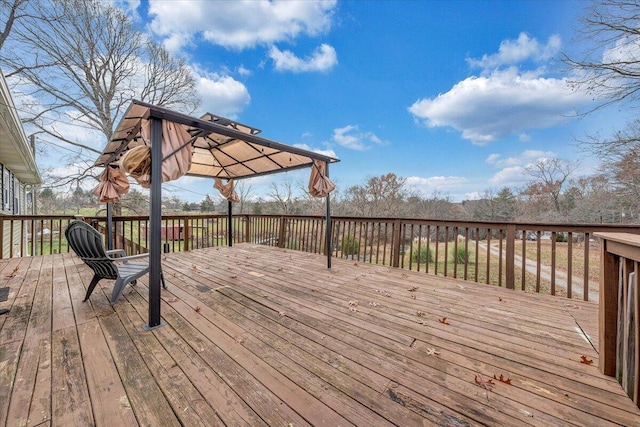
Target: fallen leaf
{"x":420,"y":313}
{"x":422,"y":322}
{"x":353,"y":303}
{"x":239,"y":340}
{"x":503,"y":379}
{"x":413,"y":296}
{"x":443,"y":321}
{"x":373,"y":303}
{"x":499,"y":299}
{"x":197,"y":309}
{"x":485,"y":383}
{"x":234,"y":276}
{"x":432,"y":352}
{"x":413,"y":289}
{"x":525,"y":413}
{"x":356,"y":263}
{"x":13,"y":273}
{"x":586,"y":360}
{"x":193,"y":266}
{"x":282,"y":313}
{"x":353,"y":309}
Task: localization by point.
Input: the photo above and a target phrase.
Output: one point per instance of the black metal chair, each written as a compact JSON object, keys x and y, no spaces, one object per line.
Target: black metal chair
{"x":87,"y":243}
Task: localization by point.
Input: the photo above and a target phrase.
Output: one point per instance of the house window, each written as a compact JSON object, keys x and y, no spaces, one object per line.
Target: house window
{"x":6,"y":189}
{"x":16,"y":196}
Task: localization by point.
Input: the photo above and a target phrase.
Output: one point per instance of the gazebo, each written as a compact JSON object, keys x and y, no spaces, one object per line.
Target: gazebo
{"x":155,"y":145}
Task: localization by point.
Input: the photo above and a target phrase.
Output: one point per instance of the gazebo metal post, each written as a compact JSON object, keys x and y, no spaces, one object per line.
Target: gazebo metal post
{"x":328,"y":222}
{"x":109,"y":226}
{"x":229,"y":224}
{"x":155,"y":214}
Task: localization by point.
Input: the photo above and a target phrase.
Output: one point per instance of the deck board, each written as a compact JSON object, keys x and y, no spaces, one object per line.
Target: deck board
{"x":256,"y":335}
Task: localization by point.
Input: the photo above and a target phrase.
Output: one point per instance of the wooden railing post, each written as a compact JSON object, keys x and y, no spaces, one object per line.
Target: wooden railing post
{"x":608,"y":309}
{"x":396,"y":243}
{"x":2,"y":237}
{"x":186,"y":234}
{"x":510,"y":256}
{"x":282,"y":231}
{"x":247,"y":229}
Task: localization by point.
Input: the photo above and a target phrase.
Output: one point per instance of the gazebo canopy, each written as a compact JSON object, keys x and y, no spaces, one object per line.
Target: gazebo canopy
{"x":222,"y":148}
{"x":158,"y":145}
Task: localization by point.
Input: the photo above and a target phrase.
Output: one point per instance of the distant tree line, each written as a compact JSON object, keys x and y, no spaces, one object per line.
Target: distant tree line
{"x":554,"y":195}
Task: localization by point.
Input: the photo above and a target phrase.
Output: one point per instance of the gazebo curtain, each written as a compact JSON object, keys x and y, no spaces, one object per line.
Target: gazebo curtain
{"x":113,"y":183}
{"x":226,"y":190}
{"x":319,"y":183}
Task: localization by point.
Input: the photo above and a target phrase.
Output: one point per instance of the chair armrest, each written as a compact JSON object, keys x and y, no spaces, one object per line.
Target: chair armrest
{"x":120,"y":252}
{"x":131,"y":257}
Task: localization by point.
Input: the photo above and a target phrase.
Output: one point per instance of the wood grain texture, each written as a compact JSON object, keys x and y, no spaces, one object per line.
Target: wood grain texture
{"x":257,"y":335}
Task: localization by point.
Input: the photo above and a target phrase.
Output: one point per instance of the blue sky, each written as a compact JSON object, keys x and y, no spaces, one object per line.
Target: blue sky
{"x":456,"y":96}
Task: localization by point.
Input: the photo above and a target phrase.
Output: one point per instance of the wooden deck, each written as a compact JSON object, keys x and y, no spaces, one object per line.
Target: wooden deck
{"x":257,"y":335}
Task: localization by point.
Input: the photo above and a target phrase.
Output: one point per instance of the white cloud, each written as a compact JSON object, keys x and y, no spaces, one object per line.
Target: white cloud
{"x":425,"y":186}
{"x":322,"y":59}
{"x":129,"y":6}
{"x":516,"y":51}
{"x":351,"y":137}
{"x":329,"y":153}
{"x":221,"y":94}
{"x":513,"y":170}
{"x":524,"y":158}
{"x":626,"y":49}
{"x":240,"y":24}
{"x":503,"y":103}
{"x":510,"y":176}
{"x":243,"y":71}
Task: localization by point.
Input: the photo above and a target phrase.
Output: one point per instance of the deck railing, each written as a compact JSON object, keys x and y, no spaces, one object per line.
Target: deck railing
{"x":619,"y":310}
{"x":559,"y":259}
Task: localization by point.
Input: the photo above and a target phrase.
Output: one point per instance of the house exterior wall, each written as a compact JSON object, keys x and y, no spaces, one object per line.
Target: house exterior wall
{"x":12,"y":202}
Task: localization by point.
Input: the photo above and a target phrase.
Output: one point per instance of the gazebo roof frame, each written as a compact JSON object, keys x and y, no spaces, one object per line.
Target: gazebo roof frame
{"x":129,"y":130}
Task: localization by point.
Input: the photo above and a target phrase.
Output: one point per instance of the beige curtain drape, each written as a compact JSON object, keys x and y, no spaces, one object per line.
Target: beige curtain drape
{"x":319,"y":184}
{"x":113,"y":183}
{"x":177,"y":152}
{"x":226,"y":190}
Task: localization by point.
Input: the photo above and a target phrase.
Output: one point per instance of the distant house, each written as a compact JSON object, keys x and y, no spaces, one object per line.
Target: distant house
{"x":18,"y":171}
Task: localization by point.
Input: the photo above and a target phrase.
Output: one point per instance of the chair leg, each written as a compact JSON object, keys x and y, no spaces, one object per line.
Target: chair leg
{"x":92,"y":285}
{"x":164,"y":285}
{"x":118,"y":288}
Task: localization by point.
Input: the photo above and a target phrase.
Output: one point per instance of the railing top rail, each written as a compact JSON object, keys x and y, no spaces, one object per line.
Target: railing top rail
{"x":520,"y":226}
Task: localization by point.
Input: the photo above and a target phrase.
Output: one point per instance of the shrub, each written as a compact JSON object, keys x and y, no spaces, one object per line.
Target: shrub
{"x":350,"y":245}
{"x":561,"y":237}
{"x":459,"y":256}
{"x":425,"y":255}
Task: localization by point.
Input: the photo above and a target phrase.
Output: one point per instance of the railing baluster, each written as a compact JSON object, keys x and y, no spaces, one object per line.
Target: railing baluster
{"x":500,"y":252}
{"x":553,"y":262}
{"x":569,"y":264}
{"x":524,"y":260}
{"x":587,"y":254}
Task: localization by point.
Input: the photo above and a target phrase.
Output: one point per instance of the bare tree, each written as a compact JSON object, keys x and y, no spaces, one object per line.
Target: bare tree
{"x":83,"y":61}
{"x":380,"y":196}
{"x":550,"y":176}
{"x":244,"y":189}
{"x":609,"y":67}
{"x":283,"y":195}
{"x":10,"y":12}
